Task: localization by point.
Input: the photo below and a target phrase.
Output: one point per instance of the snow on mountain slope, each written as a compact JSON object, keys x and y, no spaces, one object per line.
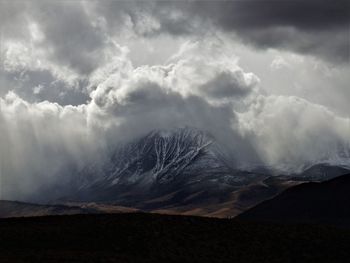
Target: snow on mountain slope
{"x":321,"y":172}
{"x":163,"y":162}
{"x":183,"y":169}
{"x":159,"y":157}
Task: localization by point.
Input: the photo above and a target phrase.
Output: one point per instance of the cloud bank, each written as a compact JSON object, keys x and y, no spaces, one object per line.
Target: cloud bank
{"x":78,"y":78}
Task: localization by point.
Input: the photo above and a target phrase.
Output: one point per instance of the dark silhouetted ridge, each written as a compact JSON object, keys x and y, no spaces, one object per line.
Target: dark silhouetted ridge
{"x":317,"y":203}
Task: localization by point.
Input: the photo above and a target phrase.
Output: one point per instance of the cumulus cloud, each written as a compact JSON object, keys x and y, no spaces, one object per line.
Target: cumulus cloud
{"x":181,"y":93}
{"x":44,"y":138}
{"x":287,"y":132}
{"x":278,"y":63}
{"x":291,"y":133}
{"x":316,"y":27}
{"x":78,"y":78}
{"x":70,"y":41}
{"x":37,"y":142}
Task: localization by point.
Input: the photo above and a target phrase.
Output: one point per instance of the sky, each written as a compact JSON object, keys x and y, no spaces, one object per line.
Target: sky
{"x":268,"y":78}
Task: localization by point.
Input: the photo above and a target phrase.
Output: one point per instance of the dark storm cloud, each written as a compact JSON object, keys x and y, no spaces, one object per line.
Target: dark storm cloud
{"x":69,"y":30}
{"x":77,"y":52}
{"x":77,"y":33}
{"x":317,"y":27}
{"x":304,"y":15}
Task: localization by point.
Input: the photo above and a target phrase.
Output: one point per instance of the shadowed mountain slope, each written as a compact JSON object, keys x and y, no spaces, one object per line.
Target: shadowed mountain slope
{"x":323,"y":203}
{"x":178,"y":171}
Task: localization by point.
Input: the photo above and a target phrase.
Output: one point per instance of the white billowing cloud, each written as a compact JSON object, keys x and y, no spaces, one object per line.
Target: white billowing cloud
{"x":199,"y":69}
{"x":290,"y":133}
{"x":70,"y":41}
{"x":201,"y":86}
{"x":278,"y":63}
{"x":19,"y":57}
{"x":61,"y":40}
{"x":305,"y":76}
{"x":37,"y":142}
{"x":45,"y":138}
{"x":131,"y":101}
{"x":193,"y":89}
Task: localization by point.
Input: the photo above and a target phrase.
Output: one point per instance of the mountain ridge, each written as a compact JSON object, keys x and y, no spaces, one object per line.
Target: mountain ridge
{"x":185,"y":171}
{"x":313,"y":202}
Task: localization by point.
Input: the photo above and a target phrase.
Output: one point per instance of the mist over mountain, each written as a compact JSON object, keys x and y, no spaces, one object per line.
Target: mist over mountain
{"x":186,"y":171}
{"x":163,"y":169}
{"x":99,"y":96}
{"x":153,"y":131}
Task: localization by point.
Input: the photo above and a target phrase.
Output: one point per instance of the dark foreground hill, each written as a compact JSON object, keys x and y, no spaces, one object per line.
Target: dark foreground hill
{"x":143,"y":238}
{"x":323,"y":203}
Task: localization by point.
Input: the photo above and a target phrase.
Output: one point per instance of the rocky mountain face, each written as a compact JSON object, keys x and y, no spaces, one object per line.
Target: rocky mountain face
{"x":183,"y":171}
{"x":158,"y":158}
{"x":183,"y":168}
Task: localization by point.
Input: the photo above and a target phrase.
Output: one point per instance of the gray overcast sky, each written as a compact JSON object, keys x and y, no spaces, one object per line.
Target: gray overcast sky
{"x":268,"y":77}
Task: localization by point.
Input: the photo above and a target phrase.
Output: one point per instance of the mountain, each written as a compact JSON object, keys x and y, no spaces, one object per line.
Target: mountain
{"x":21,"y":209}
{"x":183,"y":171}
{"x":316,"y":202}
{"x":161,"y":157}
{"x":321,"y":172}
